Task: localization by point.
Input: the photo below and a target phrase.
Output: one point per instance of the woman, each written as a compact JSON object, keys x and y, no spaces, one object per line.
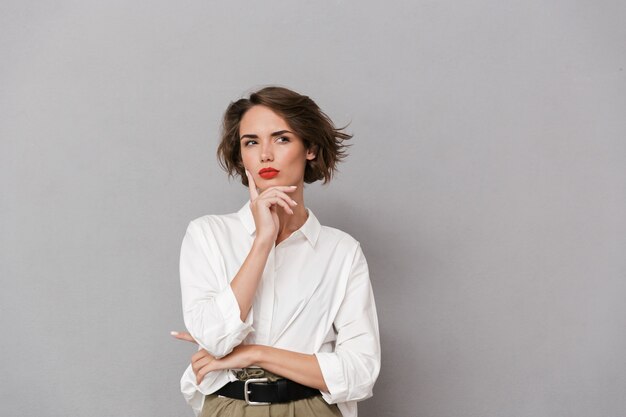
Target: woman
{"x":281,"y":307}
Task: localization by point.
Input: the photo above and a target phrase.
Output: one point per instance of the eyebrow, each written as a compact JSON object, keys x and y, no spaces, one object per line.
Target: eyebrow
{"x":280,"y":132}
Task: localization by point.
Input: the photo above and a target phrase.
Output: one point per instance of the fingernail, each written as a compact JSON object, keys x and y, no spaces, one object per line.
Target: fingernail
{"x":293,"y":186}
{"x":294,"y":202}
{"x":174,"y":333}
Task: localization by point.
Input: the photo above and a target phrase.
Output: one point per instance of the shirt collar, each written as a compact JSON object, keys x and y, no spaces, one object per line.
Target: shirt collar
{"x":310,"y":229}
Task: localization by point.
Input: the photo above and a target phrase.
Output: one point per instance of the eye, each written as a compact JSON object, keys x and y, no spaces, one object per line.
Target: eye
{"x":282,"y":139}
{"x":248,"y":142}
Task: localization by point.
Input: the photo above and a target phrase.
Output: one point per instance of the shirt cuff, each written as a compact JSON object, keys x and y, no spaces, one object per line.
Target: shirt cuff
{"x":332,"y":372}
{"x":191,"y":392}
{"x":194,"y":394}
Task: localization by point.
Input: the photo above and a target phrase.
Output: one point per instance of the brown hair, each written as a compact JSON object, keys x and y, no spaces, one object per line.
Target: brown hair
{"x":306,"y":119}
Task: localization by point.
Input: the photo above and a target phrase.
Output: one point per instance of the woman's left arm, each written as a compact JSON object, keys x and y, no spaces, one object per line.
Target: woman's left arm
{"x":299,"y":367}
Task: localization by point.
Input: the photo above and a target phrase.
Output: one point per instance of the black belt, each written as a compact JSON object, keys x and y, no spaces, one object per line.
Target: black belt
{"x":259,"y":391}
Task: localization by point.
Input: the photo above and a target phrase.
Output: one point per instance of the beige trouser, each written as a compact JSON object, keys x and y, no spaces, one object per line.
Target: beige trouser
{"x":216,"y":406}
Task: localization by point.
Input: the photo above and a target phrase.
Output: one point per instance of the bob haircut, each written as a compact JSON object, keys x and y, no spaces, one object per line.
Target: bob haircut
{"x":302,"y":115}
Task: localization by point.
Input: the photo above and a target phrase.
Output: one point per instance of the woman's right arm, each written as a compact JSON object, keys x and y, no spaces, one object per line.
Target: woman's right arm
{"x":263,"y":207}
{"x":246,"y":281}
{"x":216,"y":315}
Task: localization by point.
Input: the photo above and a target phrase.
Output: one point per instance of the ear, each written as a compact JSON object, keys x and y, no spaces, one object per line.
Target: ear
{"x":311,"y":153}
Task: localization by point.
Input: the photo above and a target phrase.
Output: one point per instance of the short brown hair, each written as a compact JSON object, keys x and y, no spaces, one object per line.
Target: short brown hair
{"x":306,"y":119}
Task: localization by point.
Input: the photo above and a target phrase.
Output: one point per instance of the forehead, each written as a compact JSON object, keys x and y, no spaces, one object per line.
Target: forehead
{"x":261,"y":119}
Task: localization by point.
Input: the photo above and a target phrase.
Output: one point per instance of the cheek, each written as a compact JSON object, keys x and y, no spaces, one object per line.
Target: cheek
{"x":296,"y":156}
{"x":246,"y":158}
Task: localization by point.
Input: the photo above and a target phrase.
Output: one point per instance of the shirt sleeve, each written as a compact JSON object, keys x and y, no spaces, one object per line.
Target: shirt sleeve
{"x":351,"y":370}
{"x":210,"y":309}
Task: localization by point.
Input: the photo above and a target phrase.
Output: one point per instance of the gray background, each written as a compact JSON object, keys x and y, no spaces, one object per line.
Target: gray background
{"x":486,"y":183}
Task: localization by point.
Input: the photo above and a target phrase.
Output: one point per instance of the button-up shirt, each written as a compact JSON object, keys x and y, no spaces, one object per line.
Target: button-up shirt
{"x":314,"y":297}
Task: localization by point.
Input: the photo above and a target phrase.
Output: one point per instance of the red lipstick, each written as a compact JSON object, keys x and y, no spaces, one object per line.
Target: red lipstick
{"x":268,"y":173}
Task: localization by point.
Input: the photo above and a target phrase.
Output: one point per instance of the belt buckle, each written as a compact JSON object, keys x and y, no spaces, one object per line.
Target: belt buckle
{"x":246,"y":392}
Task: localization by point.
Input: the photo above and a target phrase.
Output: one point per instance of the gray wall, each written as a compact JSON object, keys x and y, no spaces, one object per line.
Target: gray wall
{"x":487,"y":184}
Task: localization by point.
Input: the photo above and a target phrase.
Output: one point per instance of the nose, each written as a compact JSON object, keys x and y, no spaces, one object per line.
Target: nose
{"x":266,"y":153}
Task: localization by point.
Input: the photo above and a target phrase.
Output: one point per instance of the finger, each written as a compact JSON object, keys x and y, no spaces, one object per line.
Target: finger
{"x":273,"y":192}
{"x":200,"y":354}
{"x":205,"y":370}
{"x":271,"y":201}
{"x":291,"y":202}
{"x":183,"y":336}
{"x":251,"y":186}
{"x":197,"y":365}
{"x":285,"y":206}
{"x":284,"y":188}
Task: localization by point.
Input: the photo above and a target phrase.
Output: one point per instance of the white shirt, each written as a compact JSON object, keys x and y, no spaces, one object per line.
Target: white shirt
{"x":314,"y":297}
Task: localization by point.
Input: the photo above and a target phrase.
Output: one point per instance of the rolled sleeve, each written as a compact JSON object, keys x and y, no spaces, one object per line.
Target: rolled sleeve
{"x":210,"y":309}
{"x":194,"y":393}
{"x":333,"y":373}
{"x":352,"y":369}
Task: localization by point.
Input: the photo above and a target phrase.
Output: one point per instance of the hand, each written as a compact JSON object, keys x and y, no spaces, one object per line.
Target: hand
{"x":202,"y":362}
{"x":264,"y":207}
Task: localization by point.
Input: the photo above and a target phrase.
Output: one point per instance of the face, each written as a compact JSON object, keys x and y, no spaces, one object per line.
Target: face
{"x":270,"y":150}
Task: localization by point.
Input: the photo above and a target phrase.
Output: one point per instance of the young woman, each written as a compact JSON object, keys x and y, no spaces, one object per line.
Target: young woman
{"x":281,"y":307}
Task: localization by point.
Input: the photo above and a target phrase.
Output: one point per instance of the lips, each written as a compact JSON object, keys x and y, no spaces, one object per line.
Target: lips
{"x":268,"y":173}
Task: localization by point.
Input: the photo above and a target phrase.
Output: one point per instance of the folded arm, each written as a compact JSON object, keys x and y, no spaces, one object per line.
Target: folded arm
{"x":299,"y":367}
{"x":210,"y":307}
{"x":347,"y":374}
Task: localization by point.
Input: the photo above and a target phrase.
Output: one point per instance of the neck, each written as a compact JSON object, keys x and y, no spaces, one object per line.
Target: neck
{"x":289,"y":223}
